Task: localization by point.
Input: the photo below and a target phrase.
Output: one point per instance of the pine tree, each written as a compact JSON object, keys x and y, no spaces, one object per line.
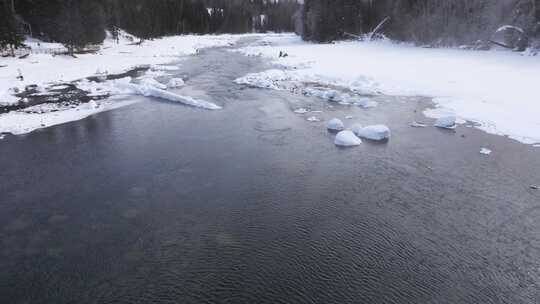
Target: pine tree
{"x":10,"y":35}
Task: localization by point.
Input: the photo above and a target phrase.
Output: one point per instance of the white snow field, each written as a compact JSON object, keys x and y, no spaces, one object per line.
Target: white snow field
{"x":496,"y":89}
{"x":42,"y":68}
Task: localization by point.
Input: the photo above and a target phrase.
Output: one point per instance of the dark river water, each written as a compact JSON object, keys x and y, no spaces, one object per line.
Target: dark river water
{"x":162,"y":203}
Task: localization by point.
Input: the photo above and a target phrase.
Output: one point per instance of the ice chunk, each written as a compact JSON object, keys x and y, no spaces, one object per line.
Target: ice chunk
{"x":313,"y":119}
{"x":176,"y":83}
{"x":485,"y":151}
{"x":446,"y":122}
{"x":152,"y":82}
{"x":375,"y":132}
{"x":335,"y":125}
{"x":147,"y":90}
{"x":301,"y":111}
{"x":347,"y":139}
{"x":416,"y":124}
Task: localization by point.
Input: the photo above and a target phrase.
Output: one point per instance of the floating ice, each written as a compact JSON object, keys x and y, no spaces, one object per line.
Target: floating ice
{"x":313,"y":119}
{"x":347,"y":139}
{"x":485,"y":151}
{"x":147,"y":90}
{"x":375,"y":132}
{"x":446,"y":122}
{"x":301,"y":111}
{"x":335,"y":125}
{"x":416,"y":124}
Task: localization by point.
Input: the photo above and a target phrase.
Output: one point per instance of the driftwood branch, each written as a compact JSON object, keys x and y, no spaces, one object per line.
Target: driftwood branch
{"x":378,"y":27}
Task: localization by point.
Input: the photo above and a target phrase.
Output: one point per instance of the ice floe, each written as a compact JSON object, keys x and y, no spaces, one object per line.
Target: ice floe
{"x":446,"y":122}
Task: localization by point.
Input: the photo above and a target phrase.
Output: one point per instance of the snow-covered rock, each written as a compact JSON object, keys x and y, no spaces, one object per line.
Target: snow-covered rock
{"x":446,"y":122}
{"x":375,"y":132}
{"x":175,"y":83}
{"x":335,"y":124}
{"x":347,"y":139}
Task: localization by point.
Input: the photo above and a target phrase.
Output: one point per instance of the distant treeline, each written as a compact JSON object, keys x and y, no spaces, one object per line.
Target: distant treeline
{"x":442,"y":22}
{"x":79,"y":22}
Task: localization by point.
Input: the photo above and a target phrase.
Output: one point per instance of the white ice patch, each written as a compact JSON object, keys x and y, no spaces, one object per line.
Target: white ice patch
{"x":485,"y":151}
{"x":375,"y":132}
{"x":335,"y":124}
{"x":313,"y":119}
{"x":347,"y":139}
{"x":270,"y":79}
{"x":446,"y":122}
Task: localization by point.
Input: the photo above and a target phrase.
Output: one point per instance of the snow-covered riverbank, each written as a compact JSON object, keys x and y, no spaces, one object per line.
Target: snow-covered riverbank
{"x":42,"y":70}
{"x":112,"y":58}
{"x":496,"y":89}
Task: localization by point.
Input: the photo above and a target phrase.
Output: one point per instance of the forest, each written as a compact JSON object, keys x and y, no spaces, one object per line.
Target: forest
{"x":435,"y":22}
{"x":80,"y":22}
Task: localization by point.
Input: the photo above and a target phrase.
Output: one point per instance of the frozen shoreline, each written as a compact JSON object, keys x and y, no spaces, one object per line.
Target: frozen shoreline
{"x":495,"y":89}
{"x":44,"y":70}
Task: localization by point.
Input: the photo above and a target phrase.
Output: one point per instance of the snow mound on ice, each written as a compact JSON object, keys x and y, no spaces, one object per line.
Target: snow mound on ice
{"x":147,"y":90}
{"x":267,"y":80}
{"x":175,"y":83}
{"x":347,"y":139}
{"x":375,"y":132}
{"x":335,"y":125}
{"x":446,"y":122}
